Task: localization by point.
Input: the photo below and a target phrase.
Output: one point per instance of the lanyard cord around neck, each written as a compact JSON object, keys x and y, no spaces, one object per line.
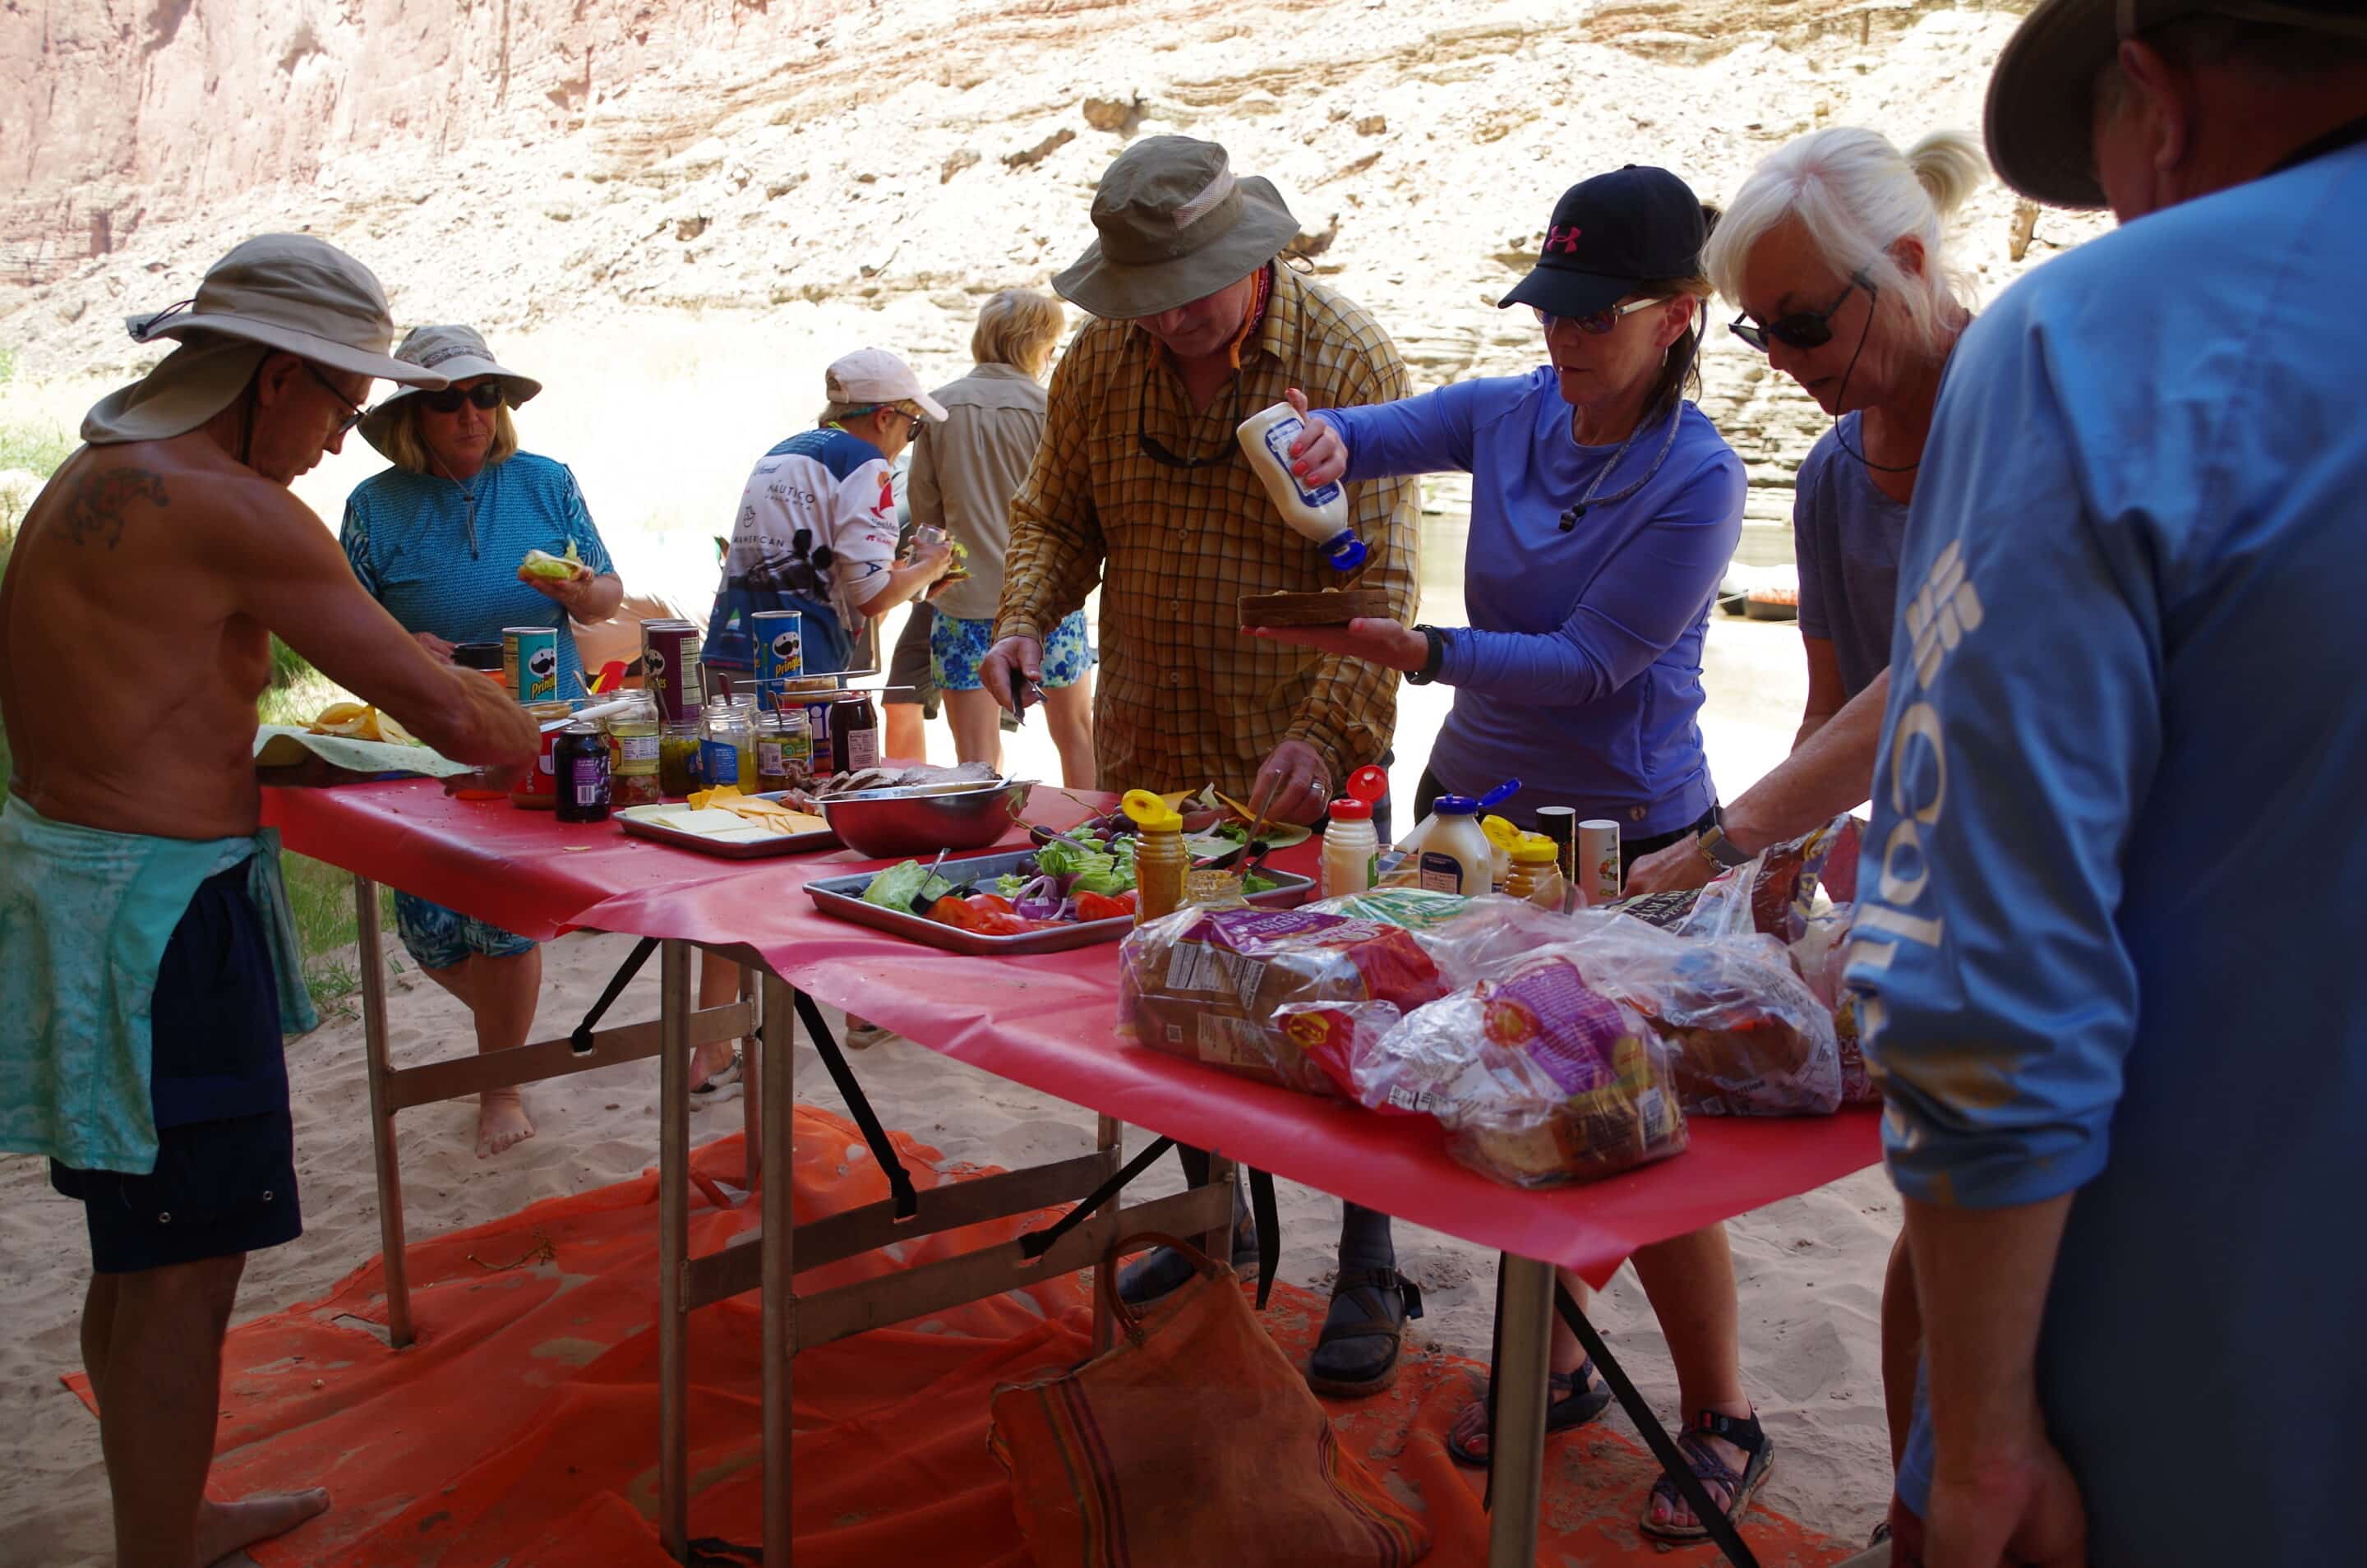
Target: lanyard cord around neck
{"x":469,"y":503}
{"x":1676,"y":418}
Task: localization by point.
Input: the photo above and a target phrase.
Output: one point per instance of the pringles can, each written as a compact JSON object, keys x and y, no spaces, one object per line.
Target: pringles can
{"x":530,"y":662}
{"x":779,"y":637}
{"x":670,"y":668}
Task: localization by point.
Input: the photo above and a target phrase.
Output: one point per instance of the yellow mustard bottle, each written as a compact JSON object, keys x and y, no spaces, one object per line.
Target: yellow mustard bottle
{"x":1160,"y":858}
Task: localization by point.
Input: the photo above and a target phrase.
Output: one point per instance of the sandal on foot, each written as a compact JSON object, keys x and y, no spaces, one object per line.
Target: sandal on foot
{"x":1357,"y":1354}
{"x":726,"y":1076}
{"x":1577,"y":1399}
{"x":1744,"y":1433}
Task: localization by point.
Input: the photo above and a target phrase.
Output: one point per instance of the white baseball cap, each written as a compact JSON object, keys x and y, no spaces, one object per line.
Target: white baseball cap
{"x":876,"y":376}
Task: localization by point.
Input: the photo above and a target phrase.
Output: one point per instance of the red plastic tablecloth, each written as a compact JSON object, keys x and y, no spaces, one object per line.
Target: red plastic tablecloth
{"x":1047,"y":1021}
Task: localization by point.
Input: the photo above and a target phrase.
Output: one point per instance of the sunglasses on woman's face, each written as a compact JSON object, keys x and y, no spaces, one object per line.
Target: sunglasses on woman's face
{"x":1601,"y":321}
{"x":1801,"y":329}
{"x":486,"y":396}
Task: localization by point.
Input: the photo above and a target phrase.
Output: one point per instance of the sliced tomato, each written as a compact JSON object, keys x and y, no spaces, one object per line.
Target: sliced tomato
{"x":976,"y":914}
{"x":1105,"y":907}
{"x":994,"y":901}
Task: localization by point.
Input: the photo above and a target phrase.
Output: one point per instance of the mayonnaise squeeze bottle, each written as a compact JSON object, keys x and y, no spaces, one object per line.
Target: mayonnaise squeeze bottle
{"x":1351,"y":852}
{"x":1320,"y":514}
{"x":1454,"y":855}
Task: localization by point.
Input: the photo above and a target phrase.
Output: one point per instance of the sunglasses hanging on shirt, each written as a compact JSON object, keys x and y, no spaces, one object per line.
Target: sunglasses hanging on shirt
{"x":1156,"y":450}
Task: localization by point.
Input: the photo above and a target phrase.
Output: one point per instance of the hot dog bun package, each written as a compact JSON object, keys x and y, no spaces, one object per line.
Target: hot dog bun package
{"x":1537,"y":1078}
{"x":1247,"y":989}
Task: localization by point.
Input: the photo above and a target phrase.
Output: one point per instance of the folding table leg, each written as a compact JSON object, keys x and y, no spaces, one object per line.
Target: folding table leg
{"x":1219,"y":1243}
{"x":372,"y":963}
{"x":1110,"y":1139}
{"x":1523,"y":1362}
{"x":777,"y":1078}
{"x":752,"y":1112}
{"x":673,"y":1247}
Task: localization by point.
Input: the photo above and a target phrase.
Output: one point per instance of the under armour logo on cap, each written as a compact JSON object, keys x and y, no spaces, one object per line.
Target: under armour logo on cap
{"x":1563,"y":240}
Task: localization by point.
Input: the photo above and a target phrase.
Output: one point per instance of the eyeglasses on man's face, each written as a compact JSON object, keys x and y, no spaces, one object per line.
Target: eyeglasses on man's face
{"x":353,"y":409}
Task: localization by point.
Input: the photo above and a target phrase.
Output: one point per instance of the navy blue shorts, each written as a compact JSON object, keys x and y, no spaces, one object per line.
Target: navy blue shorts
{"x":224,"y":1181}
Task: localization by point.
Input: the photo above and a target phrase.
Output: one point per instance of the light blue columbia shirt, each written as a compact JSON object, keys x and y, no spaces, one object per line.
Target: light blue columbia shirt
{"x":1581,"y":671}
{"x":2115,"y":891}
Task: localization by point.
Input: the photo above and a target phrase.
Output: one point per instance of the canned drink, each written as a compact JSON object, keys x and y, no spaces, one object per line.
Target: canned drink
{"x":530,"y":662}
{"x":670,"y":667}
{"x":779,"y":637}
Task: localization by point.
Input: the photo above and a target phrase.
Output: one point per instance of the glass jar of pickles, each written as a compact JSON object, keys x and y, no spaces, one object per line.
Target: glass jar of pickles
{"x":633,"y":752}
{"x":680,"y":767}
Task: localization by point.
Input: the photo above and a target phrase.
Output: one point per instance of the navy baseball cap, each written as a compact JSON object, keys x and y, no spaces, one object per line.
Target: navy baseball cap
{"x":1609,"y":234}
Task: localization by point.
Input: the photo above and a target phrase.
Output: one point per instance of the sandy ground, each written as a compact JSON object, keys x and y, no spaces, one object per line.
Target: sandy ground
{"x":1811,"y":1268}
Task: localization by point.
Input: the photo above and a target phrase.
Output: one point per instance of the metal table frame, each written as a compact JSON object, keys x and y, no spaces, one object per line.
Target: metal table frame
{"x":766,"y":1258}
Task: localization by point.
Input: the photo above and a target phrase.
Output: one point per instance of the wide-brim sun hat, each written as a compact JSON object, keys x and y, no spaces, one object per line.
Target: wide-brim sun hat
{"x":2040,"y":121}
{"x":296,"y":293}
{"x":455,"y":354}
{"x":1608,"y":237}
{"x":1173,"y":223}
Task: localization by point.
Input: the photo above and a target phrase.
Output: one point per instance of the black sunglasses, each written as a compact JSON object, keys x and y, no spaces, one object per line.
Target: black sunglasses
{"x":353,"y":409}
{"x":1801,"y":329}
{"x":1156,"y":450}
{"x":486,"y":395}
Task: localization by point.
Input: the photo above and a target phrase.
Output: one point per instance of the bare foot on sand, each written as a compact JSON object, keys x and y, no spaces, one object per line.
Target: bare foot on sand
{"x":500,"y":1122}
{"x":226,"y":1528}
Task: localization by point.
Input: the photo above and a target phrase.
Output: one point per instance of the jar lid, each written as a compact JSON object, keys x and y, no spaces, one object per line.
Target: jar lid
{"x":1454,"y":806}
{"x":583,"y":727}
{"x":1536,"y":849}
{"x":1147,"y":811}
{"x":1351,"y":811}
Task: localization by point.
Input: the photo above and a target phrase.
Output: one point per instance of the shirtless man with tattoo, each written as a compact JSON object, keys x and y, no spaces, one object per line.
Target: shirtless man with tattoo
{"x":138,"y":967}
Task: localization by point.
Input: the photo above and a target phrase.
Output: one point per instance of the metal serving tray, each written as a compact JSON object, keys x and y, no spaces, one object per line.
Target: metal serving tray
{"x":843,"y":896}
{"x":761,"y":849}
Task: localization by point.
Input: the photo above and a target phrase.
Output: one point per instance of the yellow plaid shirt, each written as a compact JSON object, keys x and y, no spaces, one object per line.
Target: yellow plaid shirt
{"x":1184,"y":698}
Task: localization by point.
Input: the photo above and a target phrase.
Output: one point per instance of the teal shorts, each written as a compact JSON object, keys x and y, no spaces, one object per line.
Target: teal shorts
{"x":957,"y":647}
{"x":437,"y":938}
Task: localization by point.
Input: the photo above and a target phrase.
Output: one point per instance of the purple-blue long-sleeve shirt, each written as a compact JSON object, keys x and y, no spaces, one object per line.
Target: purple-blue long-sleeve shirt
{"x":1581,"y":671}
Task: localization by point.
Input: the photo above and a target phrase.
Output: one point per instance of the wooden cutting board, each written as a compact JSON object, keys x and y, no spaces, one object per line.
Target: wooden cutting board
{"x":1332,"y":607}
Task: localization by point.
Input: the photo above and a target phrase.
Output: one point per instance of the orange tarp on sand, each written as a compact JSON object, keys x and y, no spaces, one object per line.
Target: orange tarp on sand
{"x":521,"y":1429}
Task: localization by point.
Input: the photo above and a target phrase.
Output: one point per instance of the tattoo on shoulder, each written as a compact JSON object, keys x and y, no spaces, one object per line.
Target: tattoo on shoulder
{"x":96,"y":509}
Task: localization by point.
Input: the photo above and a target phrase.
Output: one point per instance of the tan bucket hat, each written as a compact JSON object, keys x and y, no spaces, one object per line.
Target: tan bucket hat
{"x":455,"y":354}
{"x":2041,"y":119}
{"x":293,"y":292}
{"x":1175,"y":224}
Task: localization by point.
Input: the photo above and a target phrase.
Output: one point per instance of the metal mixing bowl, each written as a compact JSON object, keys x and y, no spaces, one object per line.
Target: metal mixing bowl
{"x":890,"y":823}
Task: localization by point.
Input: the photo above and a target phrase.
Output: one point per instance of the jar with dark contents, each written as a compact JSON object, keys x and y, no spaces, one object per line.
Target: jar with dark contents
{"x":579,"y":762}
{"x":854,"y":732}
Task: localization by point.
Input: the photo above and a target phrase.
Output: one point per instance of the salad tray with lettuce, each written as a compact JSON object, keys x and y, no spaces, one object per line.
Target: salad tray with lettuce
{"x":1058,"y":896}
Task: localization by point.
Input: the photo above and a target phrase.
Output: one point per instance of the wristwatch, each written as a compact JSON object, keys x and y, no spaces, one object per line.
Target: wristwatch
{"x":1721,"y":851}
{"x":1431,"y":661}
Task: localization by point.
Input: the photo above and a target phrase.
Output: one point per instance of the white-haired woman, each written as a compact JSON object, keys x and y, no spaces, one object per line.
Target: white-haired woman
{"x":964,"y":474}
{"x":437,"y":539}
{"x":1835,"y":249}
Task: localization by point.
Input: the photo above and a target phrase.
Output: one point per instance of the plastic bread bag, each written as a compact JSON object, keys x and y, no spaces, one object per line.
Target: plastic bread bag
{"x":1748,"y":1036}
{"x":1208,"y":984}
{"x":1415,"y":909}
{"x":1537,"y":1079}
{"x":1820,"y":955}
{"x":1774,"y":893}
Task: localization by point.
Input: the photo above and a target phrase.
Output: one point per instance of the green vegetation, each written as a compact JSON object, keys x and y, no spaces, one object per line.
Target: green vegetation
{"x":36,"y":449}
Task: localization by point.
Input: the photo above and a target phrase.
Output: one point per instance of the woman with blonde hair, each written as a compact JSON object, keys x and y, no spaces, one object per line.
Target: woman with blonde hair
{"x":437,"y":539}
{"x":1835,"y":249}
{"x":964,"y":474}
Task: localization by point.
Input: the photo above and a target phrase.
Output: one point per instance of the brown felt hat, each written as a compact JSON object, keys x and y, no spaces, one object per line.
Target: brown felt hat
{"x":2041,"y":121}
{"x":1175,"y":224}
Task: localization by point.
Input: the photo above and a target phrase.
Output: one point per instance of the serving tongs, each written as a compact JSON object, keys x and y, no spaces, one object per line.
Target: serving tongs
{"x":1253,"y":848}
